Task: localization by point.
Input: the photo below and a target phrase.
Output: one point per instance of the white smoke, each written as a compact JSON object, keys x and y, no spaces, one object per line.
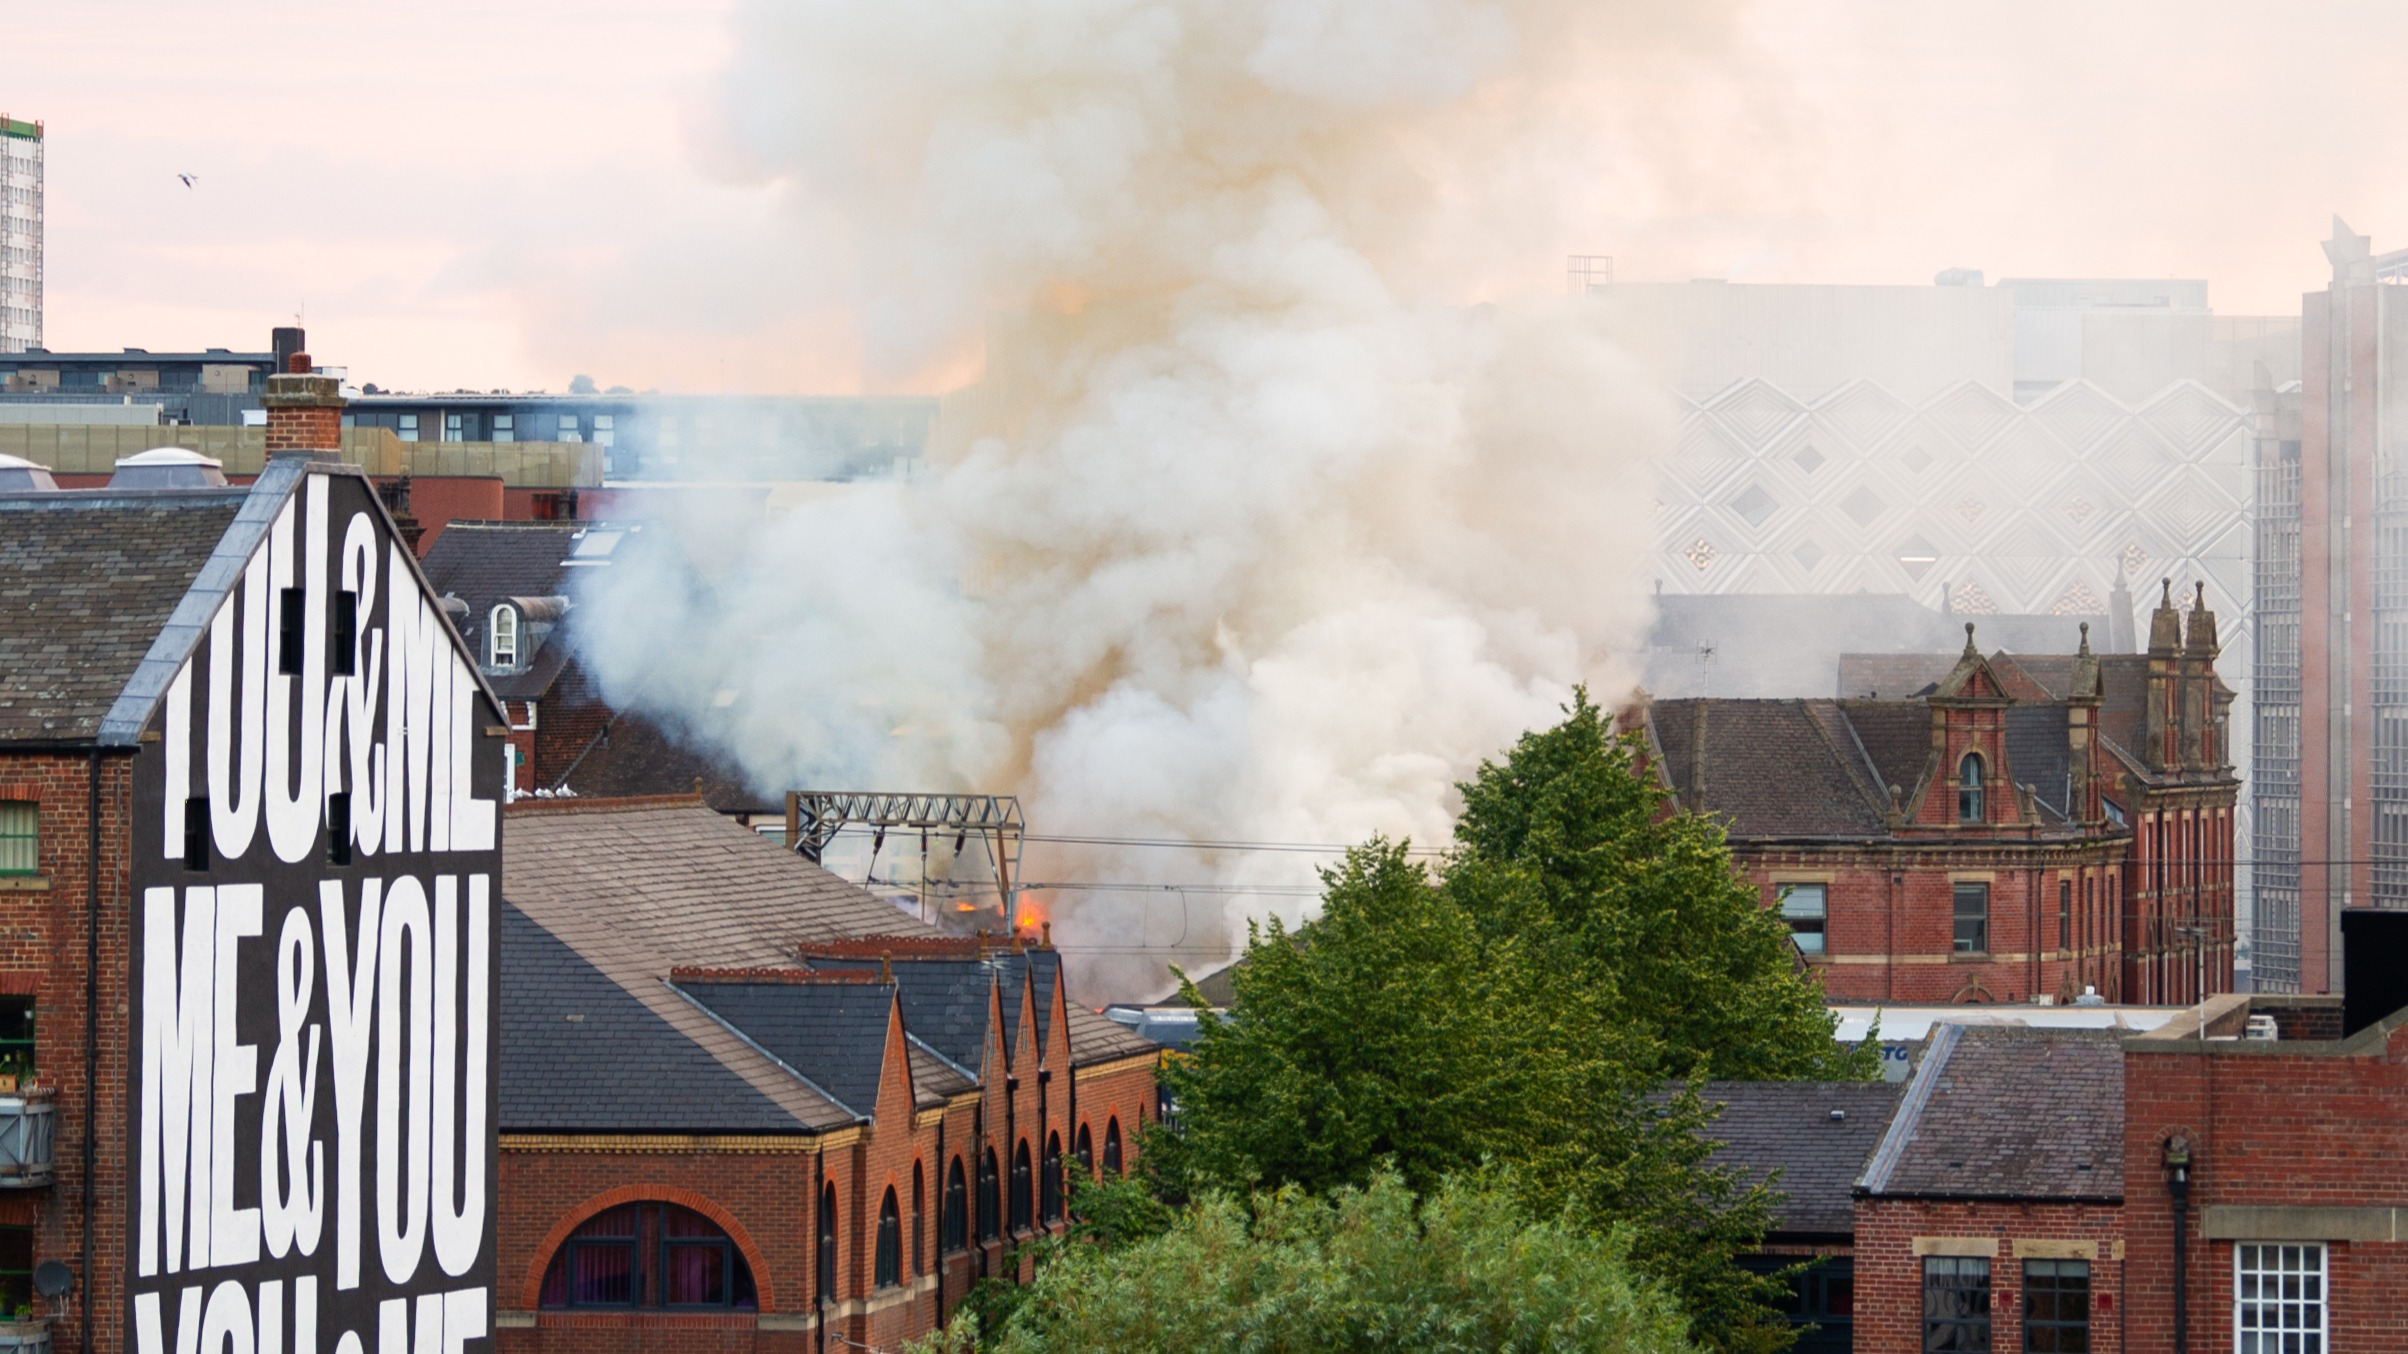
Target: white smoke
{"x":1252,"y":529}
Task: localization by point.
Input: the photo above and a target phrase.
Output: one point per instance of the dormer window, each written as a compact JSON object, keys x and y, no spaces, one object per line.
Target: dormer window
{"x":1969,"y":789}
{"x":501,"y":638}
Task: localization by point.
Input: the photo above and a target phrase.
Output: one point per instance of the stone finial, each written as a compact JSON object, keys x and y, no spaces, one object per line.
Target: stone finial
{"x":2084,"y":651}
{"x":1970,"y":651}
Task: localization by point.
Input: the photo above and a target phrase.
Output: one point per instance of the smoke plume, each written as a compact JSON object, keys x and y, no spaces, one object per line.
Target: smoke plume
{"x":1268,"y":512}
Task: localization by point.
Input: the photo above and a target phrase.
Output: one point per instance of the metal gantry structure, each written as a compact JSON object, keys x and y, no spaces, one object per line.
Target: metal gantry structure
{"x":814,"y":817}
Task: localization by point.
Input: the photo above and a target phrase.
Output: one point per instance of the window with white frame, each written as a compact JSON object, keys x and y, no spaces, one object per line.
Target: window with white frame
{"x":502,"y":638}
{"x":1806,"y":907}
{"x":2278,"y":1298}
{"x":452,"y":427}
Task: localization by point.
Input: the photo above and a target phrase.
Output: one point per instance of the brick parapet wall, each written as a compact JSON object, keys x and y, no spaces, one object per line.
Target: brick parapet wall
{"x":2317,"y":1135}
{"x":1889,"y":1269}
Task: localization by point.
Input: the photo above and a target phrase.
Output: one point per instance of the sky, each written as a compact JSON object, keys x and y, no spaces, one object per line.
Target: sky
{"x":489,"y":195}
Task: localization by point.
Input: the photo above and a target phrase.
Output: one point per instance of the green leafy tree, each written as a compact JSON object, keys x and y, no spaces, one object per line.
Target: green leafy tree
{"x":1382,"y":1267}
{"x":1570,"y":847}
{"x":1583,"y":948}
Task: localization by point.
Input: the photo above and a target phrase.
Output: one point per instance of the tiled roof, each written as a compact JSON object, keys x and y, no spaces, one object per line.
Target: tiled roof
{"x":1789,"y":1126}
{"x":485,"y":563}
{"x":639,"y":888}
{"x":2006,"y":1112}
{"x":945,"y":1005}
{"x":632,"y":755}
{"x":2039,"y":753}
{"x":579,"y":1053}
{"x":1773,"y":768}
{"x":834,"y":1034}
{"x":87,"y":581}
{"x":1896,"y":739}
{"x":678,"y":883}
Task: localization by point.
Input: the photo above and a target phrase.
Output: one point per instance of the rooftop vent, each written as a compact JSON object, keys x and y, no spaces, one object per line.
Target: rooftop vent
{"x":20,"y":476}
{"x":169,"y":468}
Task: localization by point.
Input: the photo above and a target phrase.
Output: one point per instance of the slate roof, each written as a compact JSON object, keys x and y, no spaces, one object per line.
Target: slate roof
{"x":485,"y":563}
{"x":2006,"y":1112}
{"x":945,"y":1005}
{"x":834,"y":1034}
{"x":632,"y":755}
{"x":582,"y":1054}
{"x":1773,"y":768}
{"x":87,"y":582}
{"x":1788,"y":1126}
{"x":2040,"y":755}
{"x":639,"y":887}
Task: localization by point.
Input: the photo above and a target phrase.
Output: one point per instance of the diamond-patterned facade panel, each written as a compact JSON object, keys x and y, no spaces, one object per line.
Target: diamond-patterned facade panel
{"x":2079,"y":414}
{"x":1755,"y":411}
{"x":1754,"y":504}
{"x":1863,"y":413}
{"x":1973,"y":414}
{"x":2190,"y":418}
{"x":1968,"y":599}
{"x":1863,"y":506}
{"x":2077,"y":600}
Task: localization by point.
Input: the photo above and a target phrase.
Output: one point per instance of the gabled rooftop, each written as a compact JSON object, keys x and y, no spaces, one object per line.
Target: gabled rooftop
{"x":2004,"y":1112}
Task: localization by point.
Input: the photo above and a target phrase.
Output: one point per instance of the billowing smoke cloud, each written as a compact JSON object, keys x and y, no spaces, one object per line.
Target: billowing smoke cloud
{"x":1252,"y":528}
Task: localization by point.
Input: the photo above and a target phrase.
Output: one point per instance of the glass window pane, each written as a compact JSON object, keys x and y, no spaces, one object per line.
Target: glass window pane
{"x":697,"y":1274}
{"x":20,"y":837}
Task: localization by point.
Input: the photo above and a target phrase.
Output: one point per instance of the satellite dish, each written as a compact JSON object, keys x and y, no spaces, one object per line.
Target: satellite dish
{"x":52,"y":1279}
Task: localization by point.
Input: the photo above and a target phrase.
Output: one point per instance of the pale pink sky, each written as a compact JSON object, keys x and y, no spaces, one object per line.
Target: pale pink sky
{"x":506,"y":194}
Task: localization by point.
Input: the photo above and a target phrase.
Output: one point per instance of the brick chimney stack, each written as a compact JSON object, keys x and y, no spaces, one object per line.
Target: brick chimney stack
{"x":305,"y":412}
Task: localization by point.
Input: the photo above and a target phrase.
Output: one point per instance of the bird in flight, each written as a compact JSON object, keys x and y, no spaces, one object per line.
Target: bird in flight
{"x":189,"y":179}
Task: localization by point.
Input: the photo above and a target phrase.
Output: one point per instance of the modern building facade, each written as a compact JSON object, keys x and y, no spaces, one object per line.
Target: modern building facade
{"x":216,"y":386}
{"x":2331,"y":774}
{"x":20,"y":235}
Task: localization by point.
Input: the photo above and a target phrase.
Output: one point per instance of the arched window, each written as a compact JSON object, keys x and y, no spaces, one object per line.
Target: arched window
{"x":889,"y":1270}
{"x":501,"y":637}
{"x":956,"y":1229}
{"x":648,"y":1255}
{"x":1969,"y":789}
{"x":1020,"y":1187}
{"x":919,"y":1220}
{"x":990,"y":1198}
{"x":1086,"y":1151}
{"x":827,"y":1244}
{"x":1049,"y":1184}
{"x":1112,"y":1146}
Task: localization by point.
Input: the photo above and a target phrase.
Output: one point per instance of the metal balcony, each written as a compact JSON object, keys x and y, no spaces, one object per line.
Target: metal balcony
{"x":28,"y":1125}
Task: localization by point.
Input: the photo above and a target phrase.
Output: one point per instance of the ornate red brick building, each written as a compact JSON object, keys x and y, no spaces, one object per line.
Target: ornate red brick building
{"x":746,"y":1105}
{"x":2023,"y":826}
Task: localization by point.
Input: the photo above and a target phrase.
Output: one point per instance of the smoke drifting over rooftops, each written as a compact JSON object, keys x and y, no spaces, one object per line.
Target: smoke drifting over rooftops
{"x":1251,"y":530}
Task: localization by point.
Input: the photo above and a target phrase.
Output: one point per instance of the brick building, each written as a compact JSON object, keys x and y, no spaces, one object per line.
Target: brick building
{"x":2272,"y":1136}
{"x":2022,"y":826}
{"x":1990,"y":1215}
{"x":712,"y":1048}
{"x":230,"y":729}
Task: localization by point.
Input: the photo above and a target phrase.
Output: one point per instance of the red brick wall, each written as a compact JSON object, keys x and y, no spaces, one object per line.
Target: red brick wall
{"x":1889,"y":1273}
{"x":2268,"y":1129}
{"x":765,"y":1193}
{"x":1890,"y":933}
{"x":42,"y":951}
